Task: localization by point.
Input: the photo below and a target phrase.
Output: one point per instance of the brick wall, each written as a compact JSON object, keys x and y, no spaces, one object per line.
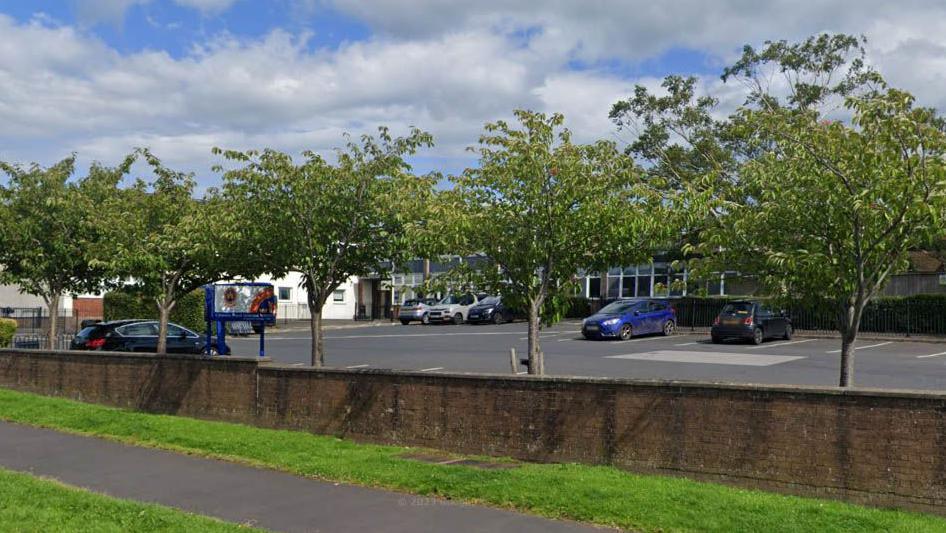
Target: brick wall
{"x":876,"y":447}
{"x":177,"y":384}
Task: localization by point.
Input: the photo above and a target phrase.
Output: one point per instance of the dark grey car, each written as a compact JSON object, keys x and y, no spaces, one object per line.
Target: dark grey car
{"x":750,"y":320}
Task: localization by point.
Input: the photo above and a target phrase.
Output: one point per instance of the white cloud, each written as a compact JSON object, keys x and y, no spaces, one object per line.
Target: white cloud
{"x":444,"y":67}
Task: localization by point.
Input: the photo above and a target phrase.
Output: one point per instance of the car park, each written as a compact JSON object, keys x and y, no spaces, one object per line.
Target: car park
{"x":489,"y":309}
{"x":623,"y":319}
{"x":454,"y":308}
{"x":750,"y":320}
{"x":139,"y":335}
{"x":416,"y":310}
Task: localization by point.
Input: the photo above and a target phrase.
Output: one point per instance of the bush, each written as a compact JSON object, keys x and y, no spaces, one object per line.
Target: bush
{"x":7,"y":330}
{"x":188,"y":312}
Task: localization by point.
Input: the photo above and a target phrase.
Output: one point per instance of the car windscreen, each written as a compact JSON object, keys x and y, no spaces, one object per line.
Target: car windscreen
{"x":490,"y":300}
{"x":411,"y":303}
{"x":615,"y":308}
{"x":450,"y":300}
{"x":737,"y":309}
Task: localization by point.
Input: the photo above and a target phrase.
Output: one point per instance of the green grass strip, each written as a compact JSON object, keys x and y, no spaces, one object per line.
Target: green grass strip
{"x":602,"y":495}
{"x":29,"y":503}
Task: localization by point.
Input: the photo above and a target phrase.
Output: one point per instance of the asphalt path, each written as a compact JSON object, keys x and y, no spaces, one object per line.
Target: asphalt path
{"x":243,"y":494}
{"x":887,"y":363}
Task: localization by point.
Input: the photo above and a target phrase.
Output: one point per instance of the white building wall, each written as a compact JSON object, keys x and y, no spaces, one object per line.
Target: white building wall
{"x":340,"y":306}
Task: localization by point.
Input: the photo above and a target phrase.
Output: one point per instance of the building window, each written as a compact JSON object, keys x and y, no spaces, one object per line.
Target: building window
{"x":285,"y":293}
{"x":614,"y":283}
{"x":594,"y":286}
{"x":629,"y":282}
{"x":338,"y":296}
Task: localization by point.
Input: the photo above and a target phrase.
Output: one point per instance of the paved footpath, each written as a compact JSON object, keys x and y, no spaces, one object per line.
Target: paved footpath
{"x":242,"y":494}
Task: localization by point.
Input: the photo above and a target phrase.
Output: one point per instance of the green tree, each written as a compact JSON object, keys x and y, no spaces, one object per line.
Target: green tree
{"x":541,"y":208}
{"x":165,"y":242}
{"x":50,"y":241}
{"x":328,"y":221}
{"x":829,"y":176}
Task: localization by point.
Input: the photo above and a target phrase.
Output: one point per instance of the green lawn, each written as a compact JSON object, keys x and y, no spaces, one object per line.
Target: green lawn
{"x":28,"y":503}
{"x":602,"y":495}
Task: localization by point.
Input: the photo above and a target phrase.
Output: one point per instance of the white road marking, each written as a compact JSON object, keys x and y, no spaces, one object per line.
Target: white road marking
{"x":776,"y":345}
{"x":930,"y":355}
{"x":864,"y":347}
{"x":712,"y":358}
{"x":357,"y":366}
{"x":431,"y":369}
{"x":297,"y":364}
{"x":521,"y":373}
{"x":686,"y":343}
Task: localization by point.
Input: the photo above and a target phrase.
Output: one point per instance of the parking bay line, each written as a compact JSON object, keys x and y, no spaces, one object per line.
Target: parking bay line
{"x":864,"y":347}
{"x":431,"y":369}
{"x":357,"y":366}
{"x":713,"y":358}
{"x":930,"y":355}
{"x":776,"y":345}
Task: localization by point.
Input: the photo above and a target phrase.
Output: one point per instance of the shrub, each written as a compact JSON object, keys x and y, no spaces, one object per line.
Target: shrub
{"x":188,"y":312}
{"x":7,"y":330}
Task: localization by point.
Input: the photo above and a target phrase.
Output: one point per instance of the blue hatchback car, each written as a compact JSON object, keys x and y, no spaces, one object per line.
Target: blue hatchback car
{"x":625,"y":318}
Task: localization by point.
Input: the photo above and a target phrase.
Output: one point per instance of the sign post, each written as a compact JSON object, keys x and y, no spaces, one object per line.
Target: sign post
{"x":238,"y":302}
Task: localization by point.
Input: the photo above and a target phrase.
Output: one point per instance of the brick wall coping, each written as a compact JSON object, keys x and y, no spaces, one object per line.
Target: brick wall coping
{"x":605,"y":381}
{"x":139,"y":355}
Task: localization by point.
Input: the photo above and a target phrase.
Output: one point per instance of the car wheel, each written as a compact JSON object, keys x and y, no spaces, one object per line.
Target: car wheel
{"x":405,"y":322}
{"x":498,"y":318}
{"x":668,"y":328}
{"x":788,"y":332}
{"x":425,"y":319}
{"x":626,"y":332}
{"x":716,"y":339}
{"x":757,"y":336}
{"x":458,"y":318}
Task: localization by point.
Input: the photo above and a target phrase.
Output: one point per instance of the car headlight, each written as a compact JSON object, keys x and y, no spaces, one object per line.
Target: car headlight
{"x":610,"y":321}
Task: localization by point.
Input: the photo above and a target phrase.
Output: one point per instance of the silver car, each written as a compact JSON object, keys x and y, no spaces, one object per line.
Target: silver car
{"x":453,"y":308}
{"x":416,"y":310}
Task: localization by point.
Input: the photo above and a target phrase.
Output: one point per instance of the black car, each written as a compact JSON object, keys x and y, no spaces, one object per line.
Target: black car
{"x":489,"y":309}
{"x":750,"y":320}
{"x":139,"y":335}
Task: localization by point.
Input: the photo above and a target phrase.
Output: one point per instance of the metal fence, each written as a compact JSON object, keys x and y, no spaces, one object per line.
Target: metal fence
{"x":895,"y":317}
{"x":39,"y":342}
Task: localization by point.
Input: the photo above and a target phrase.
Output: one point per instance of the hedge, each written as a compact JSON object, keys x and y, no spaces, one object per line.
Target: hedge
{"x":188,"y":312}
{"x":923,"y":314}
{"x":7,"y":330}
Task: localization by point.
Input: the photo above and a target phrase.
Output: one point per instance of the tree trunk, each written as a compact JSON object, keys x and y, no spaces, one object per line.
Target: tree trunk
{"x":535,"y":363}
{"x":315,"y":326}
{"x":52,"y":305}
{"x":850,"y":326}
{"x":164,"y":314}
{"x":847,"y":360}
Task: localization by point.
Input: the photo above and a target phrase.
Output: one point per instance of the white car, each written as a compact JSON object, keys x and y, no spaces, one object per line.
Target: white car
{"x":453,"y":308}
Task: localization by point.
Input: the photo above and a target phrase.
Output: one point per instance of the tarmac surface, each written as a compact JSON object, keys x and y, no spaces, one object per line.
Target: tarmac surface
{"x":243,"y":494}
{"x":890,"y":363}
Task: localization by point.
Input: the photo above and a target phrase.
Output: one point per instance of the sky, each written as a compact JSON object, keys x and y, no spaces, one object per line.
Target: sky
{"x":101,"y":77}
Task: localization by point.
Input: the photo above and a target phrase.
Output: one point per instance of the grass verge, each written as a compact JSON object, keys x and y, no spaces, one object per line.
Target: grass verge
{"x":602,"y":495}
{"x":29,"y":503}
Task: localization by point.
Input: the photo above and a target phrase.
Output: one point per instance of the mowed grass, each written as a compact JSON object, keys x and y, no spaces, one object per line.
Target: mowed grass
{"x":30,"y":504}
{"x":602,"y":495}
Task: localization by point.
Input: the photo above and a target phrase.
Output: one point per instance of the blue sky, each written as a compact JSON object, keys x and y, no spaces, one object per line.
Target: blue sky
{"x":99,"y":77}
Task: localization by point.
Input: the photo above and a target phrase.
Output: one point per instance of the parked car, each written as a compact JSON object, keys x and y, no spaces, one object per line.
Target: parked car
{"x":417,"y":309}
{"x":138,"y":335}
{"x":489,"y":309}
{"x":623,"y":319}
{"x":454,"y":308}
{"x":750,"y":320}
